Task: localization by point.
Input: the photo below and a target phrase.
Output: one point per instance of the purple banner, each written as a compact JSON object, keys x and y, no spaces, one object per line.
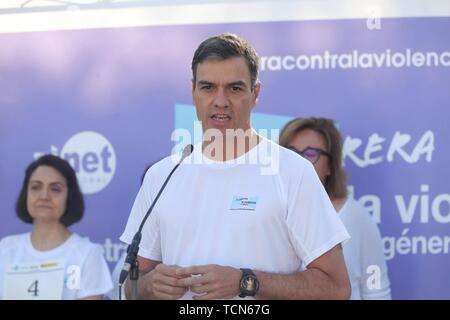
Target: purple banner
{"x":106,"y":99}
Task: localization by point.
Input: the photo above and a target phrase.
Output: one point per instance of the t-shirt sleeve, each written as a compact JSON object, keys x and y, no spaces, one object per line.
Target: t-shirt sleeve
{"x":95,"y":275}
{"x":150,"y":246}
{"x":313,"y":224}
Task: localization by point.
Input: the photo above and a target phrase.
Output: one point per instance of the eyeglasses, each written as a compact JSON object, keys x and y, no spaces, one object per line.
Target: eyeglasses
{"x":311,"y":154}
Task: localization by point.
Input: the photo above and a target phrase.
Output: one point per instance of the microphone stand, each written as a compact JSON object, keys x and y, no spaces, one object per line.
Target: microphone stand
{"x":131,"y":264}
{"x":134,"y":276}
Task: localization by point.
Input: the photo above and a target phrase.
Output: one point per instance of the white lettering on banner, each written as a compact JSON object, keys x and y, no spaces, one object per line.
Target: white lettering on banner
{"x":408,"y":210}
{"x":289,"y":63}
{"x":92,"y":157}
{"x":447,"y":61}
{"x":374,"y":146}
{"x":370,"y":201}
{"x":405,"y":245}
{"x":436,"y":208}
{"x":113,"y":251}
{"x":355,"y":59}
{"x":423,"y":148}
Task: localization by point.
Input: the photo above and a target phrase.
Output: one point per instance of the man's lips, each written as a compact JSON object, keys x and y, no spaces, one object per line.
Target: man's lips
{"x":220,"y":117}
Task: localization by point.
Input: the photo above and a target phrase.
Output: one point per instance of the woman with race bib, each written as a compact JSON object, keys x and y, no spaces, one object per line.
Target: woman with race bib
{"x":51,"y":262}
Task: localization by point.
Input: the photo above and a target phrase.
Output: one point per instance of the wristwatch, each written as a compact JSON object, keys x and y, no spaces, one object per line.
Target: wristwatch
{"x":249,"y":284}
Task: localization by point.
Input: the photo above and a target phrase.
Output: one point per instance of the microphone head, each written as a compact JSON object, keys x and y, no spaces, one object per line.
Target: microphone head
{"x":187,"y":151}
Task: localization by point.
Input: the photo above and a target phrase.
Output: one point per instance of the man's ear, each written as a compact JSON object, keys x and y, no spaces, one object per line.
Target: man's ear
{"x":193,"y":89}
{"x":256,"y":91}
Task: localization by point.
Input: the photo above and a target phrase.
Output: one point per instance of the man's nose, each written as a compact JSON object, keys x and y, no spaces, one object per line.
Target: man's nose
{"x":221,"y":100}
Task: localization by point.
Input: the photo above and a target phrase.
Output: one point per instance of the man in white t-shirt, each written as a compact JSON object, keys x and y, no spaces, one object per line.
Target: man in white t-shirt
{"x":241,"y":216}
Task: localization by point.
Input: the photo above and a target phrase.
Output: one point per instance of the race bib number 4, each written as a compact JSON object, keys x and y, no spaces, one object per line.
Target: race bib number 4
{"x":39,"y":281}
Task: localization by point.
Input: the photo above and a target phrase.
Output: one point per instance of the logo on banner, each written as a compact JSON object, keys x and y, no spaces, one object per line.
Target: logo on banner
{"x":93,"y":158}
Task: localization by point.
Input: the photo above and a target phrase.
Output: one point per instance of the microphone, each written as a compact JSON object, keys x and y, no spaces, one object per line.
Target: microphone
{"x":133,"y":248}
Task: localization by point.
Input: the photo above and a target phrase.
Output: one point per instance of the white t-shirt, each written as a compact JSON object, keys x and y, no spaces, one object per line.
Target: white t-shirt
{"x":231,"y":214}
{"x":363,"y":254}
{"x":78,"y":256}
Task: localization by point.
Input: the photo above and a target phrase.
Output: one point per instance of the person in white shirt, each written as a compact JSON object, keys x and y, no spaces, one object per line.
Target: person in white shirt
{"x":319,"y":141}
{"x":224,"y":227}
{"x":50,"y":262}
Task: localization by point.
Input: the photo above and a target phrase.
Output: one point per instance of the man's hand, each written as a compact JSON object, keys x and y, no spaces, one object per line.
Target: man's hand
{"x":211,"y":281}
{"x":164,"y":283}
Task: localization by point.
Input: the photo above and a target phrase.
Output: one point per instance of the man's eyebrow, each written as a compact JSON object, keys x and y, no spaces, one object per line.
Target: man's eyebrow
{"x":204,"y":82}
{"x":238,"y":83}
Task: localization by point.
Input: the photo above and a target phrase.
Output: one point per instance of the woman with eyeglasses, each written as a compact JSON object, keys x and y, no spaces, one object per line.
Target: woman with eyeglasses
{"x":319,"y":141}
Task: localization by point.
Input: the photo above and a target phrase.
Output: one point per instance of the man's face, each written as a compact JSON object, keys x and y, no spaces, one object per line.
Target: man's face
{"x":222,"y":94}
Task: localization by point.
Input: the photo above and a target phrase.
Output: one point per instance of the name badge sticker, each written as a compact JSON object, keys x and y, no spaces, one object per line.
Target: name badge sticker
{"x":244,"y":203}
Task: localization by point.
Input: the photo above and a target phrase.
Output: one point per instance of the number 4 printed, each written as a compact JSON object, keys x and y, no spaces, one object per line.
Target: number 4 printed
{"x":34,"y":288}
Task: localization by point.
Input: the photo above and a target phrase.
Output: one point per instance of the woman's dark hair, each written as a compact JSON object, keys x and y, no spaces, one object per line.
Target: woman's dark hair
{"x":74,"y":203}
{"x":336,"y":182}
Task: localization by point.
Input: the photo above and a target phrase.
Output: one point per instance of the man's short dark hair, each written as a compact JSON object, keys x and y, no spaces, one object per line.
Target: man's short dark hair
{"x":225,"y":46}
{"x":74,"y":203}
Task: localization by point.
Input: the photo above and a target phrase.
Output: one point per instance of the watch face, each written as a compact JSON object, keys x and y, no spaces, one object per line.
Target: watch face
{"x":248,"y":284}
